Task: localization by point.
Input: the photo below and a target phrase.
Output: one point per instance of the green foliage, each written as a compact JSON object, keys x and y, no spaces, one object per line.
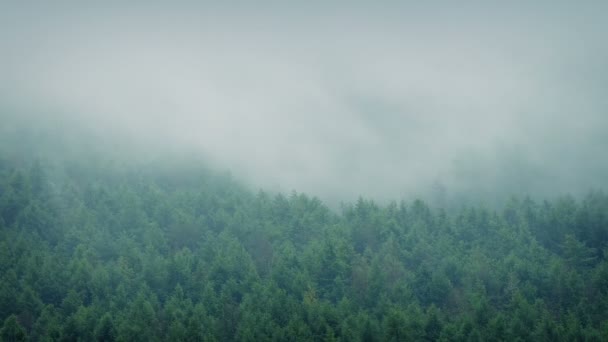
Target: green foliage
{"x":110,"y":253}
{"x":12,"y":331}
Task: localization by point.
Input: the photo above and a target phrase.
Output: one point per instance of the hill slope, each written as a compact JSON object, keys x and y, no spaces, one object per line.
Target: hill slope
{"x":151,"y":253}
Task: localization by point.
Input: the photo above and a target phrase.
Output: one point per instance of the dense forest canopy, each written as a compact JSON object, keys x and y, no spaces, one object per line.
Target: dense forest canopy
{"x":366,"y":171}
{"x":92,"y":249}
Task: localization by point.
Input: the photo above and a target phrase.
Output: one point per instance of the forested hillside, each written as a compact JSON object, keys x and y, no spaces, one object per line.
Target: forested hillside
{"x":105,"y":252}
{"x":303,"y":171}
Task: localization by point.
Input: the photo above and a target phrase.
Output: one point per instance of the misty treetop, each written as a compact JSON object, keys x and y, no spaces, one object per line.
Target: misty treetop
{"x":139,"y":253}
{"x":449,"y":164}
{"x":484,"y":96}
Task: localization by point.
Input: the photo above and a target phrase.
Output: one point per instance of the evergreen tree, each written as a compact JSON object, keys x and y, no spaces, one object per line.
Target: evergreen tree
{"x":12,"y":331}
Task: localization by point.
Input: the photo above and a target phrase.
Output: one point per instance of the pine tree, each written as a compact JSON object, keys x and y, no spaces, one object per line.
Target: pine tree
{"x":12,"y":331}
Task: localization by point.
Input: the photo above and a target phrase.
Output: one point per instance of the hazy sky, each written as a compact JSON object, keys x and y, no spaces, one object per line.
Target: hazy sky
{"x":383,"y":100}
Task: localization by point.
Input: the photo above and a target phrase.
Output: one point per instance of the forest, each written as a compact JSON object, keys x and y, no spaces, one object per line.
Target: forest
{"x":303,"y":171}
{"x":100,"y":251}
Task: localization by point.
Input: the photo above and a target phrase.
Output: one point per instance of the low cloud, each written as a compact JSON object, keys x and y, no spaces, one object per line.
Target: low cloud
{"x":336,"y":102}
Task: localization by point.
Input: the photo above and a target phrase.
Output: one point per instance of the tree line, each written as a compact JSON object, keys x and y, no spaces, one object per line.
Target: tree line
{"x":103,"y":252}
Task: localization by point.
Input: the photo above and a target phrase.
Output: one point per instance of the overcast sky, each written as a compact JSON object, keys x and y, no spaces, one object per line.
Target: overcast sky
{"x":381,"y":100}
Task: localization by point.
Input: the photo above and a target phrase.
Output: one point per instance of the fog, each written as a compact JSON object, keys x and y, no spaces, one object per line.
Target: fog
{"x":386,"y":101}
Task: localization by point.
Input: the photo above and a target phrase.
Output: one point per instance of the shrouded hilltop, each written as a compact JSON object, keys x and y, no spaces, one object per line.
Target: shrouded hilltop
{"x":310,"y":172}
{"x":380,"y":101}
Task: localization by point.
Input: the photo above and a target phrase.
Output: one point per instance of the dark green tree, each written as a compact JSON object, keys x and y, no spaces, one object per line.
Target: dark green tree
{"x":12,"y":331}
